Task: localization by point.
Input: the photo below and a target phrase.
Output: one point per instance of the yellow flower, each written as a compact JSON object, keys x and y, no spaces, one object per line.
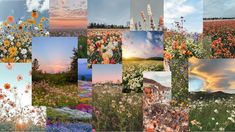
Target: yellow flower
{"x":6,"y":42}
{"x":7,"y":60}
{"x":43,"y":19}
{"x":31,"y":21}
{"x":40,"y":26}
{"x":13,"y":51}
{"x":18,"y":44}
{"x":4,"y":23}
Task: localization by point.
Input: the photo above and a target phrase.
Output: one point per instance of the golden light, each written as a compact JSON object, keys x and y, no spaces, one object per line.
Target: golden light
{"x":126,"y":55}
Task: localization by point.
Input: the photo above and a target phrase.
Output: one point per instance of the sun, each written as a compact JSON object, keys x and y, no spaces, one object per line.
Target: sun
{"x":126,"y":55}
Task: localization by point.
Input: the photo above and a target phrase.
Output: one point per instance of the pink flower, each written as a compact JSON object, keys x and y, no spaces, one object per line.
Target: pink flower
{"x":19,"y":77}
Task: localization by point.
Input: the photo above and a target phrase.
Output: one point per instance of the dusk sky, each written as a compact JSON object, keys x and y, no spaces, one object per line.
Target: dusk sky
{"x":142,"y":44}
{"x":191,"y":10}
{"x":68,"y":14}
{"x":53,"y":53}
{"x":109,"y":12}
{"x":10,"y":77}
{"x":212,"y":75}
{"x":83,"y":70}
{"x":21,"y":9}
{"x":219,"y":8}
{"x":106,"y":72}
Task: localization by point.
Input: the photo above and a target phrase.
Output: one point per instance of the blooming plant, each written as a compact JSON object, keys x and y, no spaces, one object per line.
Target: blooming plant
{"x":104,"y":46}
{"x":16,"y":35}
{"x":115,"y":111}
{"x":222,"y":37}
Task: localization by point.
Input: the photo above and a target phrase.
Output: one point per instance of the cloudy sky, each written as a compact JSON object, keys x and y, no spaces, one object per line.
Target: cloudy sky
{"x":56,"y":52}
{"x":142,"y":44}
{"x":217,"y":74}
{"x":164,"y":78}
{"x":191,"y":10}
{"x":115,"y":12}
{"x":219,"y":8}
{"x":21,"y":9}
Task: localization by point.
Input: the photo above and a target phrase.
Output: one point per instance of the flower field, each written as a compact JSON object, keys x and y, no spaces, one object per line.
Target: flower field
{"x":16,"y":37}
{"x":212,"y":112}
{"x":132,"y":73}
{"x":221,"y":34}
{"x":116,"y":111}
{"x":104,"y":46}
{"x":44,"y":94}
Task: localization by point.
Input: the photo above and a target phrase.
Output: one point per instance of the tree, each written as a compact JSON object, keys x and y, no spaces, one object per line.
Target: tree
{"x":72,"y":74}
{"x":35,"y":65}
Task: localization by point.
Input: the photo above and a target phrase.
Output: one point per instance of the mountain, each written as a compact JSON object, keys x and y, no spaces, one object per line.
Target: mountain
{"x":139,"y":59}
{"x":152,"y":82}
{"x":210,"y":95}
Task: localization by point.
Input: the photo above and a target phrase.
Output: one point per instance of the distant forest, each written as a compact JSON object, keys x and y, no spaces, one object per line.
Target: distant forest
{"x":217,"y":18}
{"x":98,"y":25}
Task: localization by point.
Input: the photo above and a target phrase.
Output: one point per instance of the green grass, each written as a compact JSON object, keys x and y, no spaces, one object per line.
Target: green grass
{"x":212,"y":114}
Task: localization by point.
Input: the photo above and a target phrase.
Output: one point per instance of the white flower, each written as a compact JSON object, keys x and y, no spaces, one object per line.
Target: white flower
{"x":25,"y":56}
{"x":212,"y":118}
{"x":216,"y":111}
{"x":35,"y":28}
{"x":217,"y":123}
{"x":17,"y":58}
{"x":23,"y":51}
{"x":231,"y":119}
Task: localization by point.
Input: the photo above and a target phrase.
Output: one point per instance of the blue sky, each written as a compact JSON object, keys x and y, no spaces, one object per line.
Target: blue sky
{"x":10,"y":77}
{"x":83,"y":69}
{"x":219,"y":8}
{"x":110,"y":12}
{"x":54,"y":53}
{"x":21,"y":9}
{"x":191,"y":10}
{"x":142,"y":44}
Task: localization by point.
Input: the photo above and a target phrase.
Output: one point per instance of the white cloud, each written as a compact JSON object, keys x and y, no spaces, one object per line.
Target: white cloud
{"x":39,"y":5}
{"x":175,"y":9}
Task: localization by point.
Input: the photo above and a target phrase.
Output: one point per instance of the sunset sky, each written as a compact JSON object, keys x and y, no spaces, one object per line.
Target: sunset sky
{"x":212,"y":75}
{"x":68,"y":14}
{"x":142,"y":44}
{"x":53,"y":53}
{"x":110,"y":72}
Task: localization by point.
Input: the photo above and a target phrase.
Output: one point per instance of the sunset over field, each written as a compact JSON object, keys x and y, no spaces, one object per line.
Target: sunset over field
{"x":61,"y":23}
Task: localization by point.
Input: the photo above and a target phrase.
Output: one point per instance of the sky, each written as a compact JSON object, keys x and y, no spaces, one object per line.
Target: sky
{"x":142,"y":44}
{"x":164,"y":78}
{"x":21,"y":9}
{"x":68,"y":14}
{"x":141,"y":5}
{"x":83,"y":69}
{"x":191,"y":10}
{"x":216,"y":74}
{"x":219,"y":8}
{"x":106,"y":72}
{"x":10,"y":77}
{"x":109,"y":12}
{"x":53,"y":53}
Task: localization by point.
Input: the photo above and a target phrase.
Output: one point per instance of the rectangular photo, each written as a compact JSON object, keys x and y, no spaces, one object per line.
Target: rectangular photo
{"x":141,"y":51}
{"x":211,"y":84}
{"x":68,"y":18}
{"x":158,"y":113}
{"x":113,"y":110}
{"x":17,"y":114}
{"x":219,"y":27}
{"x":54,"y":70}
{"x":146,"y":15}
{"x":19,"y":22}
{"x":106,"y":14}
